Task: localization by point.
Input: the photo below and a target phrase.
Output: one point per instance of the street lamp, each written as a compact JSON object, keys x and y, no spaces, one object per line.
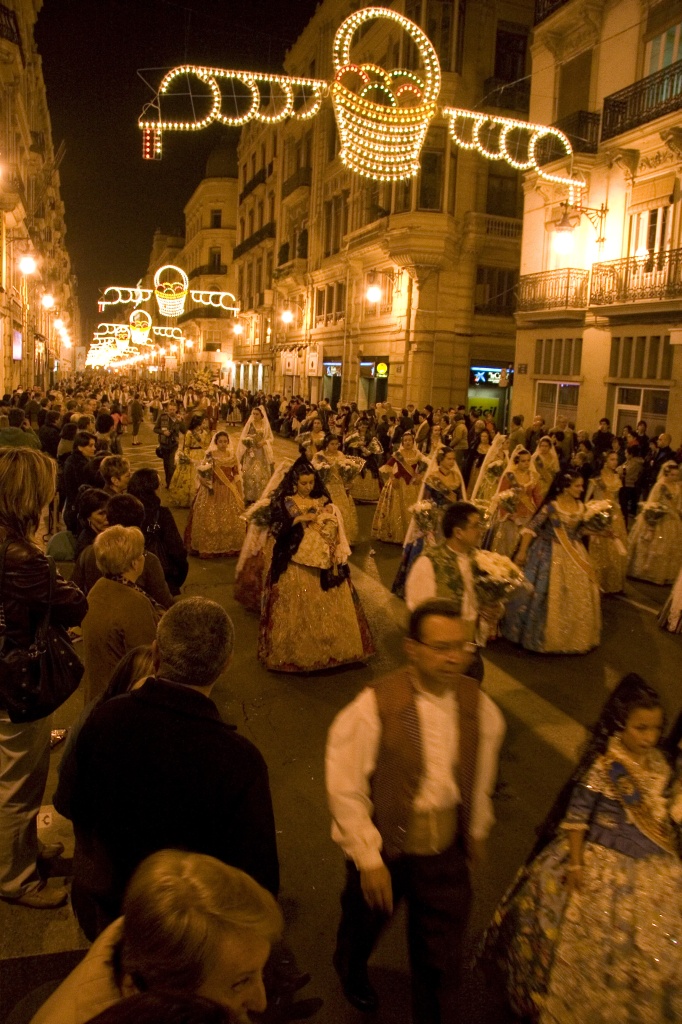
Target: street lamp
{"x":27,"y":265}
{"x":562,"y":241}
{"x":48,"y":301}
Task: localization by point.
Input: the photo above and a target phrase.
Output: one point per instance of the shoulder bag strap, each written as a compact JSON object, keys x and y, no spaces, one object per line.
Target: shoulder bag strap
{"x":3,"y":553}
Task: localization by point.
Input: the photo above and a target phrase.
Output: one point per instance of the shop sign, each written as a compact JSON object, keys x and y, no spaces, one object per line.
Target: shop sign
{"x":382,"y":369}
{"x":333,"y":369}
{"x":490,"y":376}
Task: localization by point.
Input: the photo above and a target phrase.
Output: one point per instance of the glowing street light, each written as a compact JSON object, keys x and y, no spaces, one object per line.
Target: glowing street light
{"x":238,"y":329}
{"x":287,"y":316}
{"x":48,"y":301}
{"x":374,"y":293}
{"x":27,"y":265}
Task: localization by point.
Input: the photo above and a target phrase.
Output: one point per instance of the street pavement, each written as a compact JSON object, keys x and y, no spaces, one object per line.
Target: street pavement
{"x":548,"y":701}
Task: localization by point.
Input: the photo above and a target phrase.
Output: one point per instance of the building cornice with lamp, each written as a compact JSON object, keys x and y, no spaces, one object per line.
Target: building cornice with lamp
{"x":599,"y":320}
{"x":39,"y":316}
{"x":397,"y":290}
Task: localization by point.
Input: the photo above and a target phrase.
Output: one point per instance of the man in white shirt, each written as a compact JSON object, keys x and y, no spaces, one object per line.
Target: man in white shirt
{"x":411,"y":766}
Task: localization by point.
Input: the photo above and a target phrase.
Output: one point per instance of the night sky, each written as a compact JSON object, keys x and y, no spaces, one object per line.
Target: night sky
{"x":92,"y":51}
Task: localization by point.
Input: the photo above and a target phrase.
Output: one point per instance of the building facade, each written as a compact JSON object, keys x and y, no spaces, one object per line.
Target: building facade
{"x":599,"y":320}
{"x":39,"y":316}
{"x":397,"y":290}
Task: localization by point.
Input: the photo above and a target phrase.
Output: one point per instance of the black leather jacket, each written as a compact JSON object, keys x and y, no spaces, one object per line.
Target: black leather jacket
{"x":25,"y":589}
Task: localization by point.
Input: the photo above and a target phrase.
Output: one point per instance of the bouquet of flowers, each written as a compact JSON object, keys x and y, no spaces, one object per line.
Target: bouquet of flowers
{"x":350,"y":467}
{"x":485,"y":509}
{"x":495,"y":577}
{"x":374,"y":447}
{"x":505,"y":501}
{"x":205,"y":473}
{"x":424,"y":514}
{"x":259,"y":514}
{"x":598,"y":516}
{"x":654,"y":512}
{"x":496,"y":468}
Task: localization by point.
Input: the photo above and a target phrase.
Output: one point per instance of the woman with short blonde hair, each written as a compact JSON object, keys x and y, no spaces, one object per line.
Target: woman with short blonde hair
{"x":120,"y":615}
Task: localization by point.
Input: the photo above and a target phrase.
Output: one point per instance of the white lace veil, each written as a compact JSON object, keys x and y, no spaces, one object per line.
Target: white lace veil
{"x":256,"y":535}
{"x":413,"y":531}
{"x":552,"y":460}
{"x":267,"y":436}
{"x":213,"y":447}
{"x":511,"y":465}
{"x":496,"y":453}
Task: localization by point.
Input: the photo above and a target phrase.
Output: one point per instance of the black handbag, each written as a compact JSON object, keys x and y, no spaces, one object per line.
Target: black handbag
{"x":36,"y":680}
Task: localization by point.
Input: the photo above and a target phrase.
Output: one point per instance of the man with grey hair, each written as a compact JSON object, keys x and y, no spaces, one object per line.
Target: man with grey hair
{"x":157,"y":768}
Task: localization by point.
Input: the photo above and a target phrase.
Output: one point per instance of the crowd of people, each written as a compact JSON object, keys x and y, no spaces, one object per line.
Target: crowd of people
{"x":515,"y":534}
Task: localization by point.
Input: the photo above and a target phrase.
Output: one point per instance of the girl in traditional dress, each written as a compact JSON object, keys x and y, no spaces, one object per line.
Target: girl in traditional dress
{"x":255,"y":454}
{"x":256,"y":553}
{"x":546,"y":464}
{"x":402,"y":475}
{"x":591,"y":928}
{"x":475,"y":459}
{"x":442,"y":485}
{"x":512,"y":515}
{"x":215,"y":525}
{"x":609,"y":552}
{"x":311,"y":617}
{"x":366,"y":486}
{"x":655,"y":542}
{"x":562,"y":613}
{"x":492,"y":469}
{"x":337,"y":472}
{"x":184,"y":483}
{"x":316,"y":435}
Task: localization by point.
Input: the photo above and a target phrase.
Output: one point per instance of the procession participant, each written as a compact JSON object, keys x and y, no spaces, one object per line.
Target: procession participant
{"x":411,"y":764}
{"x":183,"y":486}
{"x":511,"y":514}
{"x":215,"y":526}
{"x":655,"y":542}
{"x":255,"y":454}
{"x":608,"y":550}
{"x":337,"y":472}
{"x":402,"y":475}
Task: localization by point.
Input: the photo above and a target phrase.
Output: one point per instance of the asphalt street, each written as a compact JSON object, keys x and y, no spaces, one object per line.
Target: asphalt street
{"x":547,"y":701}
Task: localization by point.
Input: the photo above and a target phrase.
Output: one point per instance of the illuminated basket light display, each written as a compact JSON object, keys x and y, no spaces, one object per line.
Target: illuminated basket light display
{"x":382,"y":116}
{"x":171,"y":295}
{"x":140,"y":324}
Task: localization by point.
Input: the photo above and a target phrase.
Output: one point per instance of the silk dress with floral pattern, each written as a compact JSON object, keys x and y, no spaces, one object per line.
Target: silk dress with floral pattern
{"x":337,"y":472}
{"x":507,"y":525}
{"x":183,"y":485}
{"x":655,"y":548}
{"x":215,"y":526}
{"x":609,"y":554}
{"x":400,"y":491}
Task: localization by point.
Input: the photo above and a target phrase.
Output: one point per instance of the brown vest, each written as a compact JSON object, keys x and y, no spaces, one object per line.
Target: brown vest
{"x":400,"y":761}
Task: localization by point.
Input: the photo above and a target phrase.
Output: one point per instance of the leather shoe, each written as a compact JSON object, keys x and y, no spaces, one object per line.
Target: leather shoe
{"x":44,"y":897}
{"x":356,"y":987}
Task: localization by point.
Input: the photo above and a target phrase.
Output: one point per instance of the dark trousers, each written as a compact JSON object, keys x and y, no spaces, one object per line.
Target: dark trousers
{"x":438,"y":896}
{"x":168,"y":458}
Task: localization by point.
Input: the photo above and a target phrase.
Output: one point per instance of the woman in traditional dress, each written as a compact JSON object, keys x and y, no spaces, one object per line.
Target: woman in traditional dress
{"x":492,"y":469}
{"x":184,"y":483}
{"x":311,"y":617}
{"x":441,"y":487}
{"x":215,"y":525}
{"x":255,"y":454}
{"x":402,"y":475}
{"x":590,"y":930}
{"x":608,"y":550}
{"x":561,"y":614}
{"x":234,"y":415}
{"x":546,"y":464}
{"x":316,"y":435}
{"x":655,"y":542}
{"x":337,"y":472}
{"x":366,"y":486}
{"x":255,"y":556}
{"x":670,"y":616}
{"x":475,"y":459}
{"x":514,"y":513}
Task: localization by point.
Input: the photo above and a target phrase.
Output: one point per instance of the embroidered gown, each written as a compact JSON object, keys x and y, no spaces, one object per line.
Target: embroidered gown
{"x":366,"y":486}
{"x":505,"y":531}
{"x":441,"y":490}
{"x":562,"y":614}
{"x":311,"y":616}
{"x":256,"y":468}
{"x":400,"y":491}
{"x":215,"y":526}
{"x":610,"y":951}
{"x":337,"y":473}
{"x":609,"y":554}
{"x":655,"y":548}
{"x":184,"y":483}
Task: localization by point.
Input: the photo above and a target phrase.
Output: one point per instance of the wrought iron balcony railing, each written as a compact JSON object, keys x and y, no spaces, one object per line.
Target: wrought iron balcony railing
{"x":299,"y":178}
{"x":553,"y":289}
{"x":207,"y":270}
{"x":507,"y":95}
{"x":9,"y":29}
{"x":582,"y":129}
{"x":252,"y":183}
{"x":646,"y":100}
{"x":267,"y":231}
{"x":543,"y":8}
{"x":637,"y":279}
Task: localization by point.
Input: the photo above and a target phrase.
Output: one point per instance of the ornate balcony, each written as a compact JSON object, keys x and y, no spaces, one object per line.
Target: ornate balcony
{"x":208,"y":270}
{"x":553,"y":289}
{"x":646,"y":100}
{"x":637,"y":279}
{"x":507,"y":95}
{"x":9,"y":29}
{"x":267,"y":231}
{"x":252,"y":183}
{"x":299,"y":179}
{"x":493,"y":226}
{"x":543,"y":8}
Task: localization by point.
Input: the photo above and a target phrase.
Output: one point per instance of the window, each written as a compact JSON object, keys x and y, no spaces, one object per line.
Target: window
{"x":461,"y":24}
{"x":452,"y":180}
{"x":332,"y":137}
{"x":271,"y":208}
{"x":413,"y":11}
{"x":496,"y":291}
{"x":240,"y":287}
{"x":664,"y":49}
{"x":262,"y":157}
{"x":430,"y":185}
{"x":258,"y":278}
{"x":556,"y":399}
{"x":242,"y":229}
{"x":385,"y":304}
{"x":511,"y":42}
{"x":634,"y":404}
{"x":574,"y":85}
{"x":402,"y":201}
{"x":503,"y":195}
{"x":340,"y":301}
{"x":249,"y":286}
{"x":561,"y":357}
{"x":439,"y":28}
{"x":268,"y":270}
{"x":641,"y":357}
{"x":259,"y":220}
{"x":250,"y":223}
{"x":650,"y":233}
{"x":214,"y":260}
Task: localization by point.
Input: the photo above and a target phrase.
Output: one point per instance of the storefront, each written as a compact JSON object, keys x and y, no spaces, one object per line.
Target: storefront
{"x":490,"y":391}
{"x":373,"y":381}
{"x":331,"y":381}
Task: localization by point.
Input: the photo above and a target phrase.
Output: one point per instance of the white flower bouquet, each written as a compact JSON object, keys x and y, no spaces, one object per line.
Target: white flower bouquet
{"x":496,"y":468}
{"x":598,"y":516}
{"x":495,"y":577}
{"x":425,"y":515}
{"x":654,"y":512}
{"x":350,"y":467}
{"x":374,"y":447}
{"x":258,"y":514}
{"x":504,"y":501}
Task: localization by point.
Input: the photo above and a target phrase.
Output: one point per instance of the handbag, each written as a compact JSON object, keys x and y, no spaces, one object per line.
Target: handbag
{"x":36,"y":680}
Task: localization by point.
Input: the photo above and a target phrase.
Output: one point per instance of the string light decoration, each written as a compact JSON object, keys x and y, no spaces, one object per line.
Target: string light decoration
{"x":116,"y":296}
{"x":140,"y":324}
{"x":171,"y":295}
{"x":506,"y":138}
{"x":382,"y":116}
{"x":218,"y":300}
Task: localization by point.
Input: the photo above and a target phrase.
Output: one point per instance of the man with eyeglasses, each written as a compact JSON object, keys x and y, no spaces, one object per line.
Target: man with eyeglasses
{"x":411,"y":765}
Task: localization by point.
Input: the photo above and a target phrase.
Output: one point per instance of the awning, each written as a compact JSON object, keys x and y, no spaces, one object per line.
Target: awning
{"x":650,"y":194}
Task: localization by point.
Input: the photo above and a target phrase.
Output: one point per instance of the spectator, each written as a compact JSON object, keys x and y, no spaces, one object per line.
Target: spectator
{"x":191,"y":925}
{"x":601,"y":441}
{"x":534,"y":433}
{"x":92,"y":519}
{"x":33,"y":407}
{"x":49,"y":434}
{"x":643,"y":438}
{"x":631,"y":472}
{"x":77,"y":471}
{"x":27,"y":484}
{"x":159,"y":768}
{"x":136,"y":416}
{"x":164,"y":1008}
{"x":168,"y":428}
{"x":161,"y":534}
{"x":18,"y":434}
{"x":120,"y":615}
{"x":107,"y":439}
{"x":115,"y":471}
{"x":517,"y":434}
